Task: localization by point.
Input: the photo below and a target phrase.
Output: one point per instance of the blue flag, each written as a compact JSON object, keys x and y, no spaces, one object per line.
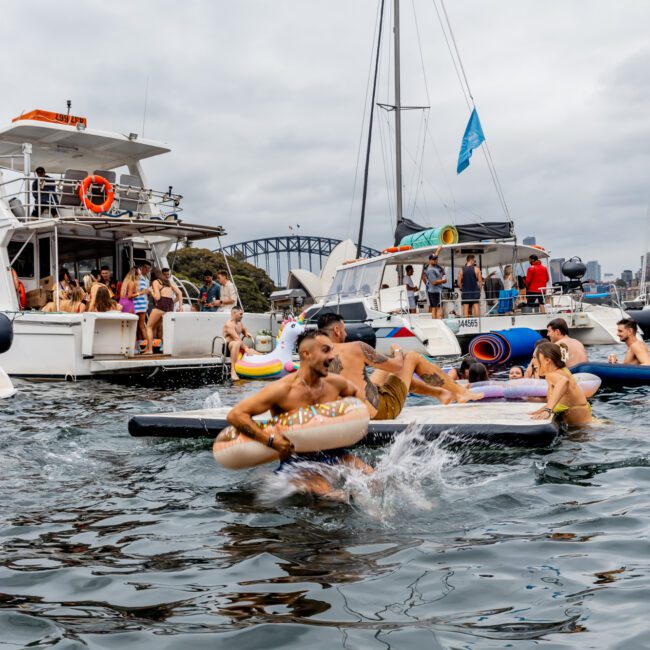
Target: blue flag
{"x":471,"y":140}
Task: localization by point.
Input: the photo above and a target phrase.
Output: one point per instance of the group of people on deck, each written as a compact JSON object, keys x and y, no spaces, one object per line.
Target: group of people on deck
{"x":470,"y":283}
{"x":331,"y":368}
{"x":147,"y":292}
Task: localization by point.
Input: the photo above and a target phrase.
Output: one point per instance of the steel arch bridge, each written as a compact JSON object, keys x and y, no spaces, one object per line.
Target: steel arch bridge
{"x":275,"y":250}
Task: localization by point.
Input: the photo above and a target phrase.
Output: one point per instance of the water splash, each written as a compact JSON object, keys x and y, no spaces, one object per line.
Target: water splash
{"x":405,"y":475}
{"x":213,"y":401}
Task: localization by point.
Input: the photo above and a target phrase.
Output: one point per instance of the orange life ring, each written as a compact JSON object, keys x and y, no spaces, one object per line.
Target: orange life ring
{"x":83,"y":192}
{"x":396,"y":249}
{"x":22,"y":296}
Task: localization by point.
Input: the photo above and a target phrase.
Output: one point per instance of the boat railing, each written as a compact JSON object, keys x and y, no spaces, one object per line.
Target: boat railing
{"x":59,"y":196}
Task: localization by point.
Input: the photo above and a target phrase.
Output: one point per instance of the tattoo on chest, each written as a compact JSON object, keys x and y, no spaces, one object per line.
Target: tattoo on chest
{"x":336,"y":367}
{"x":433,"y":380}
{"x":372,"y":394}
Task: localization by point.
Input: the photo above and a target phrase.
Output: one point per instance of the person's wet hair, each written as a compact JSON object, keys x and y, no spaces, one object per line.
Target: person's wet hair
{"x":329,"y":318}
{"x":560,"y":325}
{"x":308,"y":335}
{"x":629,"y":323}
{"x":555,"y":353}
{"x":465,"y":365}
{"x":477,"y":372}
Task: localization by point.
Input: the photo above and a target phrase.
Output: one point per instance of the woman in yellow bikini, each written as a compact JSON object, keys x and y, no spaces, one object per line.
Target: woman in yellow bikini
{"x":564,"y":396}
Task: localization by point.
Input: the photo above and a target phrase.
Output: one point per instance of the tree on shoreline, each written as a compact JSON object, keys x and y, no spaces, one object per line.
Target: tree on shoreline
{"x":253,"y":284}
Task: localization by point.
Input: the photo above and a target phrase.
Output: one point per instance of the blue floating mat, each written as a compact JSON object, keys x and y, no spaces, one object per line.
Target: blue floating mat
{"x":504,"y":345}
{"x":613,"y":374}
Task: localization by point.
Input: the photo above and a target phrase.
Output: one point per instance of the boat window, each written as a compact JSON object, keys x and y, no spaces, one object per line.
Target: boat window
{"x":44,"y":257}
{"x":359,"y":280}
{"x":24,"y":263}
{"x":80,"y":256}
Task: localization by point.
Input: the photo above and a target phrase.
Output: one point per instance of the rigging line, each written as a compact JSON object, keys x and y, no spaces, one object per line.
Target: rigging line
{"x":372,"y":114}
{"x":410,"y":155}
{"x":424,"y":72}
{"x":443,"y":168}
{"x":385,"y":167}
{"x":451,"y":55}
{"x":488,"y":155}
{"x":391,"y":166}
{"x":365,"y":111}
{"x":417,"y":181}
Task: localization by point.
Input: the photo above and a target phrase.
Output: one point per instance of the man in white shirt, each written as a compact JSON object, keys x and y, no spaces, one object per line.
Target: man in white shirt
{"x":228,"y":292}
{"x":411,"y":290}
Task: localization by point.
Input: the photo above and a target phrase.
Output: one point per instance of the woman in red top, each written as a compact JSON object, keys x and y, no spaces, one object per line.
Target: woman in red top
{"x":536,"y":280}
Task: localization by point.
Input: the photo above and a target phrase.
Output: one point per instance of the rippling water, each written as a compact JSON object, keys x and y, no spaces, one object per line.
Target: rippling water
{"x":115,"y":542}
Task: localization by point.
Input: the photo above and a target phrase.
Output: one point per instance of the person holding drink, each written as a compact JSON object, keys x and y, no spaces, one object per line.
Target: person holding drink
{"x":210,"y":293}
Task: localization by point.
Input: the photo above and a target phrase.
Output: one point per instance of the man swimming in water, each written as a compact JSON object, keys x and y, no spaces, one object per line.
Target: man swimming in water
{"x":637,"y":351}
{"x":311,"y":384}
{"x":386,"y":389}
{"x":557,"y":331}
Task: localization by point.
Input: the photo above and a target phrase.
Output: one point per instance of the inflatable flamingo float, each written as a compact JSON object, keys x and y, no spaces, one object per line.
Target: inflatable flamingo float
{"x":276,"y":363}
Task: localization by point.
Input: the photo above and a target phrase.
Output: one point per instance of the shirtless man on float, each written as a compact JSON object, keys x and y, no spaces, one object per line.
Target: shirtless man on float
{"x":234,"y":332}
{"x":637,"y":351}
{"x":310,"y":385}
{"x":385,"y":391}
{"x":557,"y":331}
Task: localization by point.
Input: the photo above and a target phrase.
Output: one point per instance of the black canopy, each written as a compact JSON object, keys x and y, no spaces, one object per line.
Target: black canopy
{"x":467,"y":232}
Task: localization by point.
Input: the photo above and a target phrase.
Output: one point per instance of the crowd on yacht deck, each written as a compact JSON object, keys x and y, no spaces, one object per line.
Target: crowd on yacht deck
{"x":506,"y":294}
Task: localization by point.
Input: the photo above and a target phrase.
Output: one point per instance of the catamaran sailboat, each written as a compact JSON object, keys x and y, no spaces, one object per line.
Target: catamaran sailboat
{"x":52,"y":224}
{"x":373,"y":290}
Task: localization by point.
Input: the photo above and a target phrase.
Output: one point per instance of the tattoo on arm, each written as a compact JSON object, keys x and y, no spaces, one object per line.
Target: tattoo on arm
{"x":433,"y":380}
{"x":372,"y":393}
{"x":371,"y":355}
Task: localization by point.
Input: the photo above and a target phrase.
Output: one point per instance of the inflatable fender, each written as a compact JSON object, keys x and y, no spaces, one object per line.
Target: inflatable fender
{"x":314,"y":428}
{"x":6,"y":333}
{"x":275,"y":363}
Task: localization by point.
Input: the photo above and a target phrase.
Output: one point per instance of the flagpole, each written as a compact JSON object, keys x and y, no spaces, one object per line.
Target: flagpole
{"x":398,"y":117}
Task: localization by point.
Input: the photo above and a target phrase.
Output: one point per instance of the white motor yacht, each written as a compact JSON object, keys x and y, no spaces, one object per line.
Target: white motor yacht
{"x":48,"y":223}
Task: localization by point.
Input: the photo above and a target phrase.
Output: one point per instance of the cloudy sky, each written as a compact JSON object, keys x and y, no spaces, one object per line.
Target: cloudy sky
{"x":263,"y":103}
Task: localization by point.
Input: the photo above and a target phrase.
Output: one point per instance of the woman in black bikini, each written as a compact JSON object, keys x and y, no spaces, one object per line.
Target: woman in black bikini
{"x":165,"y":295}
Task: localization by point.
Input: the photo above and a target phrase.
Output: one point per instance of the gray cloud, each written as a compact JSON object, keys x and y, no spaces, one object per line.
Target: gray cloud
{"x":262,"y":103}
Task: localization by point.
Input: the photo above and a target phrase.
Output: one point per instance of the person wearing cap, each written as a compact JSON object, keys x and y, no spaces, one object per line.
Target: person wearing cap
{"x":434,"y":276}
{"x":44,"y":192}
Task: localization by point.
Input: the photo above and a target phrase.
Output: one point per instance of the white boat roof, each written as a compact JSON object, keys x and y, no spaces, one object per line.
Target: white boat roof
{"x":124,"y":227}
{"x":58,"y":147}
{"x":491,"y":254}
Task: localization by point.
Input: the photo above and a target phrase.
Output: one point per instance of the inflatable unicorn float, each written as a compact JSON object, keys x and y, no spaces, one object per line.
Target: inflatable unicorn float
{"x":278,"y":362}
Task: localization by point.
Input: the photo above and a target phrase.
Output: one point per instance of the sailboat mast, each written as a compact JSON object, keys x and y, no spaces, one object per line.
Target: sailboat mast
{"x":398,"y":116}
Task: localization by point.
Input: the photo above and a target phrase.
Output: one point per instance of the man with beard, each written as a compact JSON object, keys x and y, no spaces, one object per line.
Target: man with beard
{"x":310,"y":385}
{"x":385,"y":391}
{"x":637,"y":351}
